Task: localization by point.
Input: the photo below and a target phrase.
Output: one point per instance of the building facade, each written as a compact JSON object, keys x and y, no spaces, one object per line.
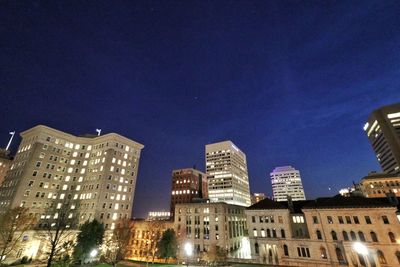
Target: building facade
{"x":5,"y":163}
{"x":145,"y":236}
{"x":286,"y":181}
{"x":211,"y":226}
{"x":383,"y":131}
{"x":379,"y":185}
{"x":227,"y":176}
{"x":51,"y":167}
{"x":338,"y":231}
{"x":187,"y":184}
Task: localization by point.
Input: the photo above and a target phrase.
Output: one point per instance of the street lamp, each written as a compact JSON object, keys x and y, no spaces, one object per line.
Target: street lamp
{"x":360,"y":248}
{"x":93,"y":254}
{"x":189,"y":251}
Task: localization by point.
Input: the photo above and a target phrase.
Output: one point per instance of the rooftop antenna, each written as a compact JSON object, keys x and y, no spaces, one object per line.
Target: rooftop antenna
{"x":98,"y":132}
{"x":9,"y":142}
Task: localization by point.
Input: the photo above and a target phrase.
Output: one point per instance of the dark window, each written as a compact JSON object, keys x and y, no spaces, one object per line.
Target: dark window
{"x":340,"y":218}
{"x":392,"y":237}
{"x":345,"y":236}
{"x":339,"y":255}
{"x":374,"y":237}
{"x":385,"y":219}
{"x":253,"y":219}
{"x":361,"y":236}
{"x":319,"y":236}
{"x":356,"y":221}
{"x":348,"y":219}
{"x":285,"y":250}
{"x":283,"y":233}
{"x":353,"y":235}
{"x":256,"y":248}
{"x":381,"y":257}
{"x":330,"y":220}
{"x":334,"y":236}
{"x":367,"y":220}
{"x":315,"y":219}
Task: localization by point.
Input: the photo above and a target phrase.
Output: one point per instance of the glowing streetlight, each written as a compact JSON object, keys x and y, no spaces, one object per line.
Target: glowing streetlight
{"x":360,"y":248}
{"x":188,"y":249}
{"x":93,"y":253}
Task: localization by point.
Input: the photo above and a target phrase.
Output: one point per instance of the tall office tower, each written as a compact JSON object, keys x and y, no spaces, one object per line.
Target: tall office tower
{"x":383,"y":131}
{"x":187,"y":184}
{"x":286,"y":181}
{"x":227,"y":176}
{"x":5,"y":163}
{"x":51,"y":166}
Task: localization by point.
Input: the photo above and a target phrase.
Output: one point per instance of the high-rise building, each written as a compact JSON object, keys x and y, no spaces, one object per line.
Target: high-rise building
{"x":5,"y":163}
{"x":187,"y":184}
{"x":50,"y":166}
{"x":227,"y":176}
{"x":383,"y":131}
{"x":286,"y":181}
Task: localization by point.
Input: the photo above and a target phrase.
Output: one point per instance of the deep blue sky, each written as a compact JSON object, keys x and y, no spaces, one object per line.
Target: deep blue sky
{"x":289,"y":82}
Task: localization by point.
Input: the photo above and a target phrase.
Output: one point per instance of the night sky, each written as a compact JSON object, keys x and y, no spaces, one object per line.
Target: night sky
{"x":289,"y":82}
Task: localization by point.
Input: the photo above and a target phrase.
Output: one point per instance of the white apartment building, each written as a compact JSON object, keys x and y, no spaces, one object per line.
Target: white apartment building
{"x":227,"y":176}
{"x":286,"y":181}
{"x":50,"y":166}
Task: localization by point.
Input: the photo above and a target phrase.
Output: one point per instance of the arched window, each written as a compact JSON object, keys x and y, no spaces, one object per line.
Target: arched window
{"x":256,"y":248}
{"x":286,"y":250}
{"x":273,"y":232}
{"x":323,"y":253}
{"x":353,"y":235}
{"x":339,"y":255}
{"x":268,"y":233}
{"x":262,"y":232}
{"x":374,"y":237}
{"x":392,"y":237}
{"x":361,"y":236}
{"x":283,"y":233}
{"x":334,"y":236}
{"x":345,"y":236}
{"x":319,"y":236}
{"x":381,"y":257}
{"x":398,"y":256}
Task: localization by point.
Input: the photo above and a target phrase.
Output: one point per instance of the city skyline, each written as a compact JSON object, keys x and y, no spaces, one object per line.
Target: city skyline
{"x":176,"y":78}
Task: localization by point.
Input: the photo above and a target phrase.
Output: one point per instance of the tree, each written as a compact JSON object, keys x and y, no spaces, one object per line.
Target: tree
{"x":168,"y":245}
{"x":215,"y":255}
{"x":13,"y":225}
{"x":154,"y":233}
{"x":57,"y":225}
{"x":90,"y":237}
{"x":117,"y":242}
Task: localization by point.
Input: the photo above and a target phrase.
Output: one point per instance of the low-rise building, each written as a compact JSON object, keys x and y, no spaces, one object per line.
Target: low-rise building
{"x":145,"y":236}
{"x":380,"y":184}
{"x":257,"y":197}
{"x":336,"y":231}
{"x":211,"y":227}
